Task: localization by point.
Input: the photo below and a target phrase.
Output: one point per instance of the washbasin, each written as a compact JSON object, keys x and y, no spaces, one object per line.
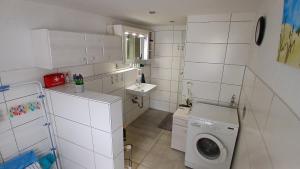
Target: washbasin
{"x":142,"y":89}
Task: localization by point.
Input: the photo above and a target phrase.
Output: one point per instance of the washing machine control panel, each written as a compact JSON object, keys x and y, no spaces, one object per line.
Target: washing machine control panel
{"x":205,"y":124}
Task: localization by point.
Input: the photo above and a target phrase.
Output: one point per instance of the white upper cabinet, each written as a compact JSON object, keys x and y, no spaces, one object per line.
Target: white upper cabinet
{"x":95,"y":49}
{"x":55,"y":49}
{"x":112,"y":46}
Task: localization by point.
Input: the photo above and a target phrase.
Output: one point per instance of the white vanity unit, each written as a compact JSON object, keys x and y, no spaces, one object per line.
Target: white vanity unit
{"x":88,"y":128}
{"x":179,"y":128}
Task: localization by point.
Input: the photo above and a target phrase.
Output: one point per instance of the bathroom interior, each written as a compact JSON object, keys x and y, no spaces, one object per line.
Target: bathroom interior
{"x":174,"y":84}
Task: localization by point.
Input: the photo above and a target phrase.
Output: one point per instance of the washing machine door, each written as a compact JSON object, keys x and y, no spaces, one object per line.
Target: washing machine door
{"x":209,"y":148}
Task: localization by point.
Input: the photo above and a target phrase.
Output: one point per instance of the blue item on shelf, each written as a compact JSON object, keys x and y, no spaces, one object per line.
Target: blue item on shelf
{"x":4,"y":88}
{"x":21,"y":161}
{"x":47,"y":161}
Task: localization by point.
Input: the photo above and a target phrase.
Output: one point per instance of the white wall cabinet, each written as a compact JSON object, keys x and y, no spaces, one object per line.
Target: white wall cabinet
{"x":55,"y":49}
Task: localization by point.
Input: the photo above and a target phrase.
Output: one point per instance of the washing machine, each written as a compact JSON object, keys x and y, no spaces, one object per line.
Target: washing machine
{"x":211,"y":136}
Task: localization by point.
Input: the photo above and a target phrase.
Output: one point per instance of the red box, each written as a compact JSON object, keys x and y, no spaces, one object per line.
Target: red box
{"x":55,"y":79}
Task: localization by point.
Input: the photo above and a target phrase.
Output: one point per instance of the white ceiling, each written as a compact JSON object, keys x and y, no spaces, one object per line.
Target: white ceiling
{"x":136,"y":11}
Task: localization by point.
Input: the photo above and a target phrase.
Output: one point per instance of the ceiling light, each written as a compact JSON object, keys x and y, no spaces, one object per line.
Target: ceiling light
{"x":126,"y":33}
{"x":133,"y":34}
{"x":141,"y":36}
{"x":152,"y":12}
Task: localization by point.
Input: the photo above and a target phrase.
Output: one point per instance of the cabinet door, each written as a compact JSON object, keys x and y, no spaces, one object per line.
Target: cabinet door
{"x":94,"y":49}
{"x":112,"y":46}
{"x":67,"y":48}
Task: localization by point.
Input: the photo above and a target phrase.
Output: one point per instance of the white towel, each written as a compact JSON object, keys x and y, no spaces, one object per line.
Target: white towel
{"x":35,"y":165}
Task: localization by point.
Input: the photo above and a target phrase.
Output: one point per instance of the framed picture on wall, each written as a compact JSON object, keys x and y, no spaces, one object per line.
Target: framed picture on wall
{"x":289,"y":49}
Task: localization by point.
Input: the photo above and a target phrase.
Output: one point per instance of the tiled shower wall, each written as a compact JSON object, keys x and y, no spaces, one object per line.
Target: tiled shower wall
{"x":217,"y":49}
{"x":166,"y":67}
{"x":269,"y":132}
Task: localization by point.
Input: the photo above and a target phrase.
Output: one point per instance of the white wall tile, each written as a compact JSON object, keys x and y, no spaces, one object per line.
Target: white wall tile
{"x":162,"y":62}
{"x":71,"y":107}
{"x":119,"y":161}
{"x":233,"y":74}
{"x":161,"y":73}
{"x":23,"y":75}
{"x":101,"y":120}
{"x":227,"y":91}
{"x":160,"y":95}
{"x":103,"y":162}
{"x":85,"y":70}
{"x":42,"y":148}
{"x":176,"y":62}
{"x":78,"y":154}
{"x":104,"y":68}
{"x":4,"y":118}
{"x":203,"y":90}
{"x":114,"y":82}
{"x":173,"y":107}
{"x":237,"y":54}
{"x":243,"y":16}
{"x":30,"y":133}
{"x":163,"y":50}
{"x":178,"y":37}
{"x":146,"y":70}
{"x":173,"y":97}
{"x":8,"y":146}
{"x":116,"y":115}
{"x":74,"y":132}
{"x":203,"y":72}
{"x":258,"y":155}
{"x":164,"y":37}
{"x":162,"y":84}
{"x":179,"y":27}
{"x":260,"y":103}
{"x":211,"y":32}
{"x":117,"y":142}
{"x":178,"y":50}
{"x":175,"y":75}
{"x":241,"y":32}
{"x":68,"y":164}
{"x":159,"y":105}
{"x":282,"y":136}
{"x":130,"y":77}
{"x":174,"y":86}
{"x":209,"y":18}
{"x":249,"y":82}
{"x":94,"y":85}
{"x":211,"y":53}
{"x":102,"y":143}
{"x":1,"y":97}
{"x":29,"y":116}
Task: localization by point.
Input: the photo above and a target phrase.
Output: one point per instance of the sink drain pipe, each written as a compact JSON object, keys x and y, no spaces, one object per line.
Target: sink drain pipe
{"x":135,"y":100}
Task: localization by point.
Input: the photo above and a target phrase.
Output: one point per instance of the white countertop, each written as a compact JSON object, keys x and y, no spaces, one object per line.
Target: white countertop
{"x":90,"y":95}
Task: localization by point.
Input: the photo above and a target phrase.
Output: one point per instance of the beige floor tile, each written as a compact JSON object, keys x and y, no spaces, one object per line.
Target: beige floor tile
{"x":152,"y":145}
